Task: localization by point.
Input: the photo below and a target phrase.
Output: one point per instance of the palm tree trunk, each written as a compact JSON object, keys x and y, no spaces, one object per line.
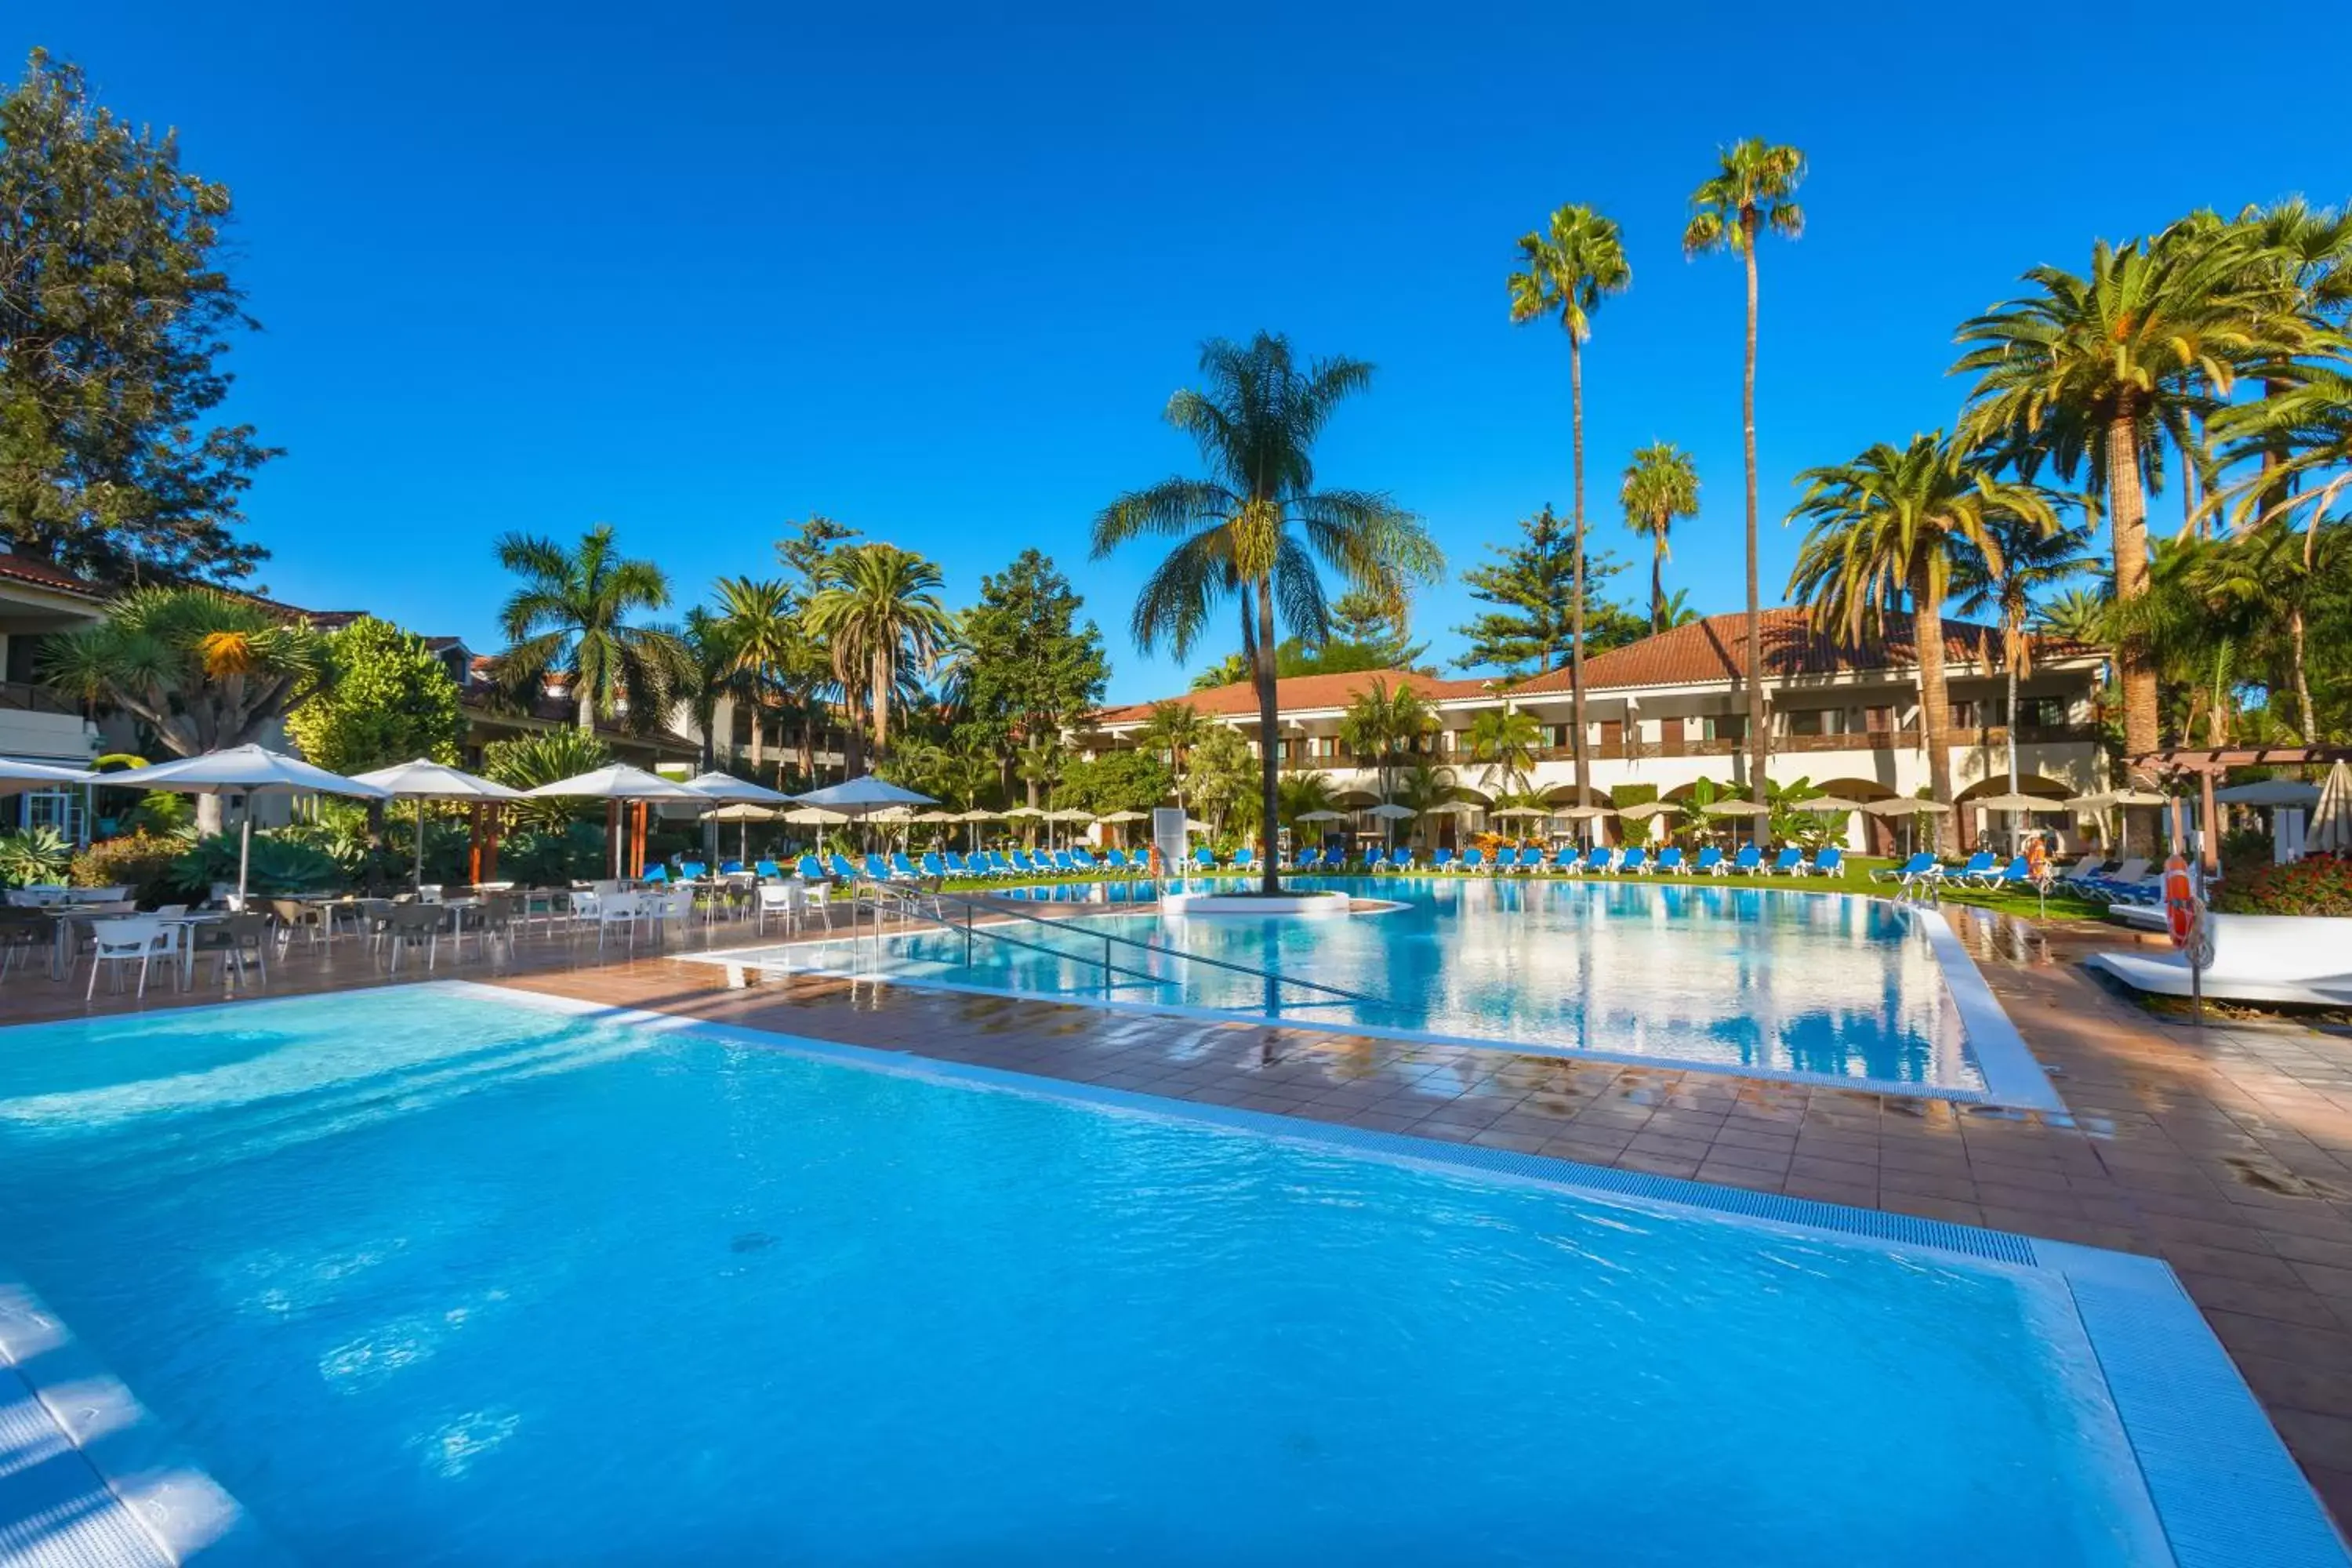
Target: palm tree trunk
{"x":1756,"y":748}
{"x":758,"y":741}
{"x":2128,"y":515}
{"x":1576,"y":614}
{"x":1658,"y":585}
{"x":1269,"y":766}
{"x":583,"y":709}
{"x":1935,"y":699}
{"x":2303,"y":719}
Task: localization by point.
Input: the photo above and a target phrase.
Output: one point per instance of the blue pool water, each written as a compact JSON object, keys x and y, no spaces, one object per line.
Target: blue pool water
{"x":1735,"y":976}
{"x":435,"y":1279}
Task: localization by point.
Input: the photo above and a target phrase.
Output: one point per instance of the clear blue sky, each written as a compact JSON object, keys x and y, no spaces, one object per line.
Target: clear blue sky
{"x":698,"y":269}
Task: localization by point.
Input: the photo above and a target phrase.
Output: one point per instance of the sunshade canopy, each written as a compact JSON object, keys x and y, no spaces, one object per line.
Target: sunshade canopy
{"x":17,"y":776}
{"x":729,"y":789}
{"x":1907,"y":807}
{"x":1392,"y":811}
{"x":862,"y":795}
{"x":240,"y":770}
{"x":2016,"y":802}
{"x":1737,"y":808}
{"x":1648,"y":809}
{"x":2269,"y":792}
{"x":425,"y":779}
{"x":1826,"y":803}
{"x":2331,"y":819}
{"x":617,"y":780}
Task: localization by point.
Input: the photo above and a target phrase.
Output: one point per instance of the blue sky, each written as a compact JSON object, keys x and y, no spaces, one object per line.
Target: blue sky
{"x":697,"y":270}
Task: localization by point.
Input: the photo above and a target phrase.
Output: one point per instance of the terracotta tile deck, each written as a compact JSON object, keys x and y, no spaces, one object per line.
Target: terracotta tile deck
{"x":2225,"y":1150}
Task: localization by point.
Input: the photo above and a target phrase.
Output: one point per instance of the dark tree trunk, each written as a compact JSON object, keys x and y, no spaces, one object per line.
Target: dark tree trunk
{"x":1268,"y":740}
{"x":2127,"y":517}
{"x":1576,"y":614}
{"x":1757,"y":752}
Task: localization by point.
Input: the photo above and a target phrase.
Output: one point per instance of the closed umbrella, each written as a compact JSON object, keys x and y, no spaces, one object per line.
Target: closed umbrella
{"x":424,"y":780}
{"x":246,"y":771}
{"x":2331,"y":819}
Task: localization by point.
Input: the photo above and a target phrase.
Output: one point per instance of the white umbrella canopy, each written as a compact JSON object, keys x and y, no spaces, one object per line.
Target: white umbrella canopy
{"x":617,"y":780}
{"x":863,"y":795}
{"x":813,"y":815}
{"x":2037,"y":803}
{"x":425,"y":779}
{"x":1070,"y":813}
{"x":743,"y":811}
{"x":732,"y":791}
{"x":1521,"y":811}
{"x":1585,"y":813}
{"x":1391,"y":811}
{"x":2331,"y":819}
{"x":1647,"y":809}
{"x":2269,"y":792}
{"x":1827,"y":804}
{"x":242,"y":770}
{"x":1311,"y":816}
{"x":1736,"y":808}
{"x":2112,"y":797}
{"x":982,"y":814}
{"x":15,"y":775}
{"x":1906,"y":807}
{"x":1038,"y":811}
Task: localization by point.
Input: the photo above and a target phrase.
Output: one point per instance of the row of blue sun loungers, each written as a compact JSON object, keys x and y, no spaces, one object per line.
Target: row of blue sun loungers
{"x":1019,"y":864}
{"x":1986,"y":870}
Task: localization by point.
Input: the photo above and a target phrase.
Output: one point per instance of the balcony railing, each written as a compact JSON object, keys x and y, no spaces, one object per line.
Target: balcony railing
{"x":1673,"y":744}
{"x":22,"y":697}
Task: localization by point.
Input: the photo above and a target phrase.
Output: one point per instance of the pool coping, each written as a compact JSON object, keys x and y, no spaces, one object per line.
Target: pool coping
{"x":2225,"y":1491}
{"x":2013,"y":1078}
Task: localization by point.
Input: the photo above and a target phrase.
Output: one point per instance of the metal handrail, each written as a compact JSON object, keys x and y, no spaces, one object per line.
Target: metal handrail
{"x":909,"y":909}
{"x":905,"y":897}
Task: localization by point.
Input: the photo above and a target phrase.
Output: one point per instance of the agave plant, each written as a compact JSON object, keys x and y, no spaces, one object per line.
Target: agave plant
{"x":35,"y":855}
{"x":528,"y":760}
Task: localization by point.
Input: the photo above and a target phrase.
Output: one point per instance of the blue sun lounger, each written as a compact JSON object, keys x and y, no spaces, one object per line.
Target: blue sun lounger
{"x":1244,"y":858}
{"x":1709,"y":861}
{"x":1474,"y":858}
{"x":1670,"y":859}
{"x":1635,"y":863}
{"x":1748,"y":861}
{"x":1443,"y":860}
{"x":1789,"y":862}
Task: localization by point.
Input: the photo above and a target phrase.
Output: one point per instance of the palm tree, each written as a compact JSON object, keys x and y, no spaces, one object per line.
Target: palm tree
{"x":1384,"y":722}
{"x":1754,"y":189}
{"x":2077,"y":615}
{"x":1567,"y":270}
{"x":1303,"y":793}
{"x":1677,"y":610}
{"x":1174,"y":728}
{"x":1424,"y":786}
{"x":2093,"y":374}
{"x":1661,"y":485}
{"x":1505,"y":740}
{"x":711,"y":675}
{"x":2027,"y":563}
{"x":1256,"y":527}
{"x":1888,"y":527}
{"x":570,"y":616}
{"x":2269,"y":584}
{"x":877,"y":607}
{"x":1038,"y":766}
{"x":203,"y":669}
{"x":762,"y":625}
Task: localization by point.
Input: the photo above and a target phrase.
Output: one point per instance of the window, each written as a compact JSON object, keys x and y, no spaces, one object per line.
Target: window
{"x":1816,"y":721}
{"x":2041,"y":713}
{"x":1725,"y":726}
{"x":1964,"y":714}
{"x":1878,"y":721}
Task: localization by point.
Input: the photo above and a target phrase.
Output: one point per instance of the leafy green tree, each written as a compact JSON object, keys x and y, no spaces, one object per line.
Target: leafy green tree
{"x":1255,"y":528}
{"x":1380,"y":629}
{"x":1030,"y":666}
{"x":1754,"y":189}
{"x":2077,"y":615}
{"x":1890,"y":526}
{"x":571,"y":618}
{"x":1567,"y":268}
{"x":381,"y":698}
{"x":1661,"y":487}
{"x":1116,"y":781}
{"x":1531,"y":582}
{"x":2090,"y":374}
{"x":201,"y":669}
{"x":1220,"y":776}
{"x":876,"y":609}
{"x":115,"y":312}
{"x":808,"y":550}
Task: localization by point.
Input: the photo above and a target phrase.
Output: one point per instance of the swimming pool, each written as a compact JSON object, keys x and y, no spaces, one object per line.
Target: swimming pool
{"x":1773,"y":981}
{"x":441,"y":1276}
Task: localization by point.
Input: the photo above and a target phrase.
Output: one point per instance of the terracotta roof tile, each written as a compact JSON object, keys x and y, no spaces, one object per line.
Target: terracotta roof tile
{"x":48,"y":575}
{"x":1715,"y":649}
{"x":1299,"y":693}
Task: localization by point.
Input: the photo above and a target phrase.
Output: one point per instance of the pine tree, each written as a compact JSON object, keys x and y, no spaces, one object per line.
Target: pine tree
{"x":1532,"y":584}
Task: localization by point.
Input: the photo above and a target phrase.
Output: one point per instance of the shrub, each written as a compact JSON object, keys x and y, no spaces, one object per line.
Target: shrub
{"x":540,"y":859}
{"x":278,"y":865}
{"x":139,"y":861}
{"x":36,"y":855}
{"x":2314,"y":885}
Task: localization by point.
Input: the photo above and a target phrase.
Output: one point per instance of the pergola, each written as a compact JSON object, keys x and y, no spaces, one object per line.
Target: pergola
{"x":2210,"y":765}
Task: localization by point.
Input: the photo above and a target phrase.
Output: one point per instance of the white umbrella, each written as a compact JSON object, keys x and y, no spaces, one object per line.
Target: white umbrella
{"x":424,"y":780}
{"x":729,"y":789}
{"x":1311,"y":816}
{"x":617,"y":781}
{"x":1391,"y":811}
{"x":1828,"y":803}
{"x":2112,"y":797}
{"x":1517,"y":811}
{"x":813,"y":815}
{"x":746,"y":812}
{"x":248,"y":771}
{"x":862,"y":796}
{"x":1907,"y":807}
{"x":1023,"y":811}
{"x":2331,"y":819}
{"x":2035,"y":802}
{"x":1585,"y":813}
{"x":1736,"y":808}
{"x":1138,"y":817}
{"x":15,"y":775}
{"x":1647,"y":809}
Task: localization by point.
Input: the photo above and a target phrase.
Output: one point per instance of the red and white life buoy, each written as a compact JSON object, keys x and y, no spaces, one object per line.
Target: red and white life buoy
{"x":2180,"y":905}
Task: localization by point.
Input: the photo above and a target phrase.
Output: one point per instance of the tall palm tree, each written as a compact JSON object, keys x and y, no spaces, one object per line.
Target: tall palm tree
{"x":1424,"y":786}
{"x":1174,"y":728}
{"x":1382,"y":723}
{"x":1661,"y":486}
{"x":2268,"y":583}
{"x":2092,"y":374}
{"x":1566,"y":270}
{"x":877,"y":609}
{"x":1754,"y":189}
{"x":710,"y":676}
{"x":570,"y":616}
{"x":763,"y":626}
{"x":2008,"y":581}
{"x":1888,"y":527}
{"x":1257,"y":525}
{"x":2076,"y":614}
{"x":1677,"y":610}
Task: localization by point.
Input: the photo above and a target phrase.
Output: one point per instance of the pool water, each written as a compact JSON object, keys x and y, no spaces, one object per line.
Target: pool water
{"x":438,"y":1279}
{"x":1737,"y":976}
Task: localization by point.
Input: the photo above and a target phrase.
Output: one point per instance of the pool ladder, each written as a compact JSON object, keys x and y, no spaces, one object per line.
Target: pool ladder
{"x":906,"y":902}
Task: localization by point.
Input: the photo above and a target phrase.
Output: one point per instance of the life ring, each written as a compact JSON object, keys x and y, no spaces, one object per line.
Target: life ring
{"x":2179,"y":903}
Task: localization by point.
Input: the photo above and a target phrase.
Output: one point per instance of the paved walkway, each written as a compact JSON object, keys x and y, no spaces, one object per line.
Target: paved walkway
{"x":2226,"y":1151}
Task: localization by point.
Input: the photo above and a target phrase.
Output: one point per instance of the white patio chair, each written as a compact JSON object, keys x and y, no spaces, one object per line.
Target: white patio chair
{"x":119,"y":941}
{"x":605,"y":910}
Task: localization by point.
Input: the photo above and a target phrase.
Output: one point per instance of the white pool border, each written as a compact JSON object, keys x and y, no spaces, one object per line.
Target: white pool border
{"x":2013,"y":1078}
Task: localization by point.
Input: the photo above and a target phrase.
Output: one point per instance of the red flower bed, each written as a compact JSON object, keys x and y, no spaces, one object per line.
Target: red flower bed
{"x":2314,"y":885}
